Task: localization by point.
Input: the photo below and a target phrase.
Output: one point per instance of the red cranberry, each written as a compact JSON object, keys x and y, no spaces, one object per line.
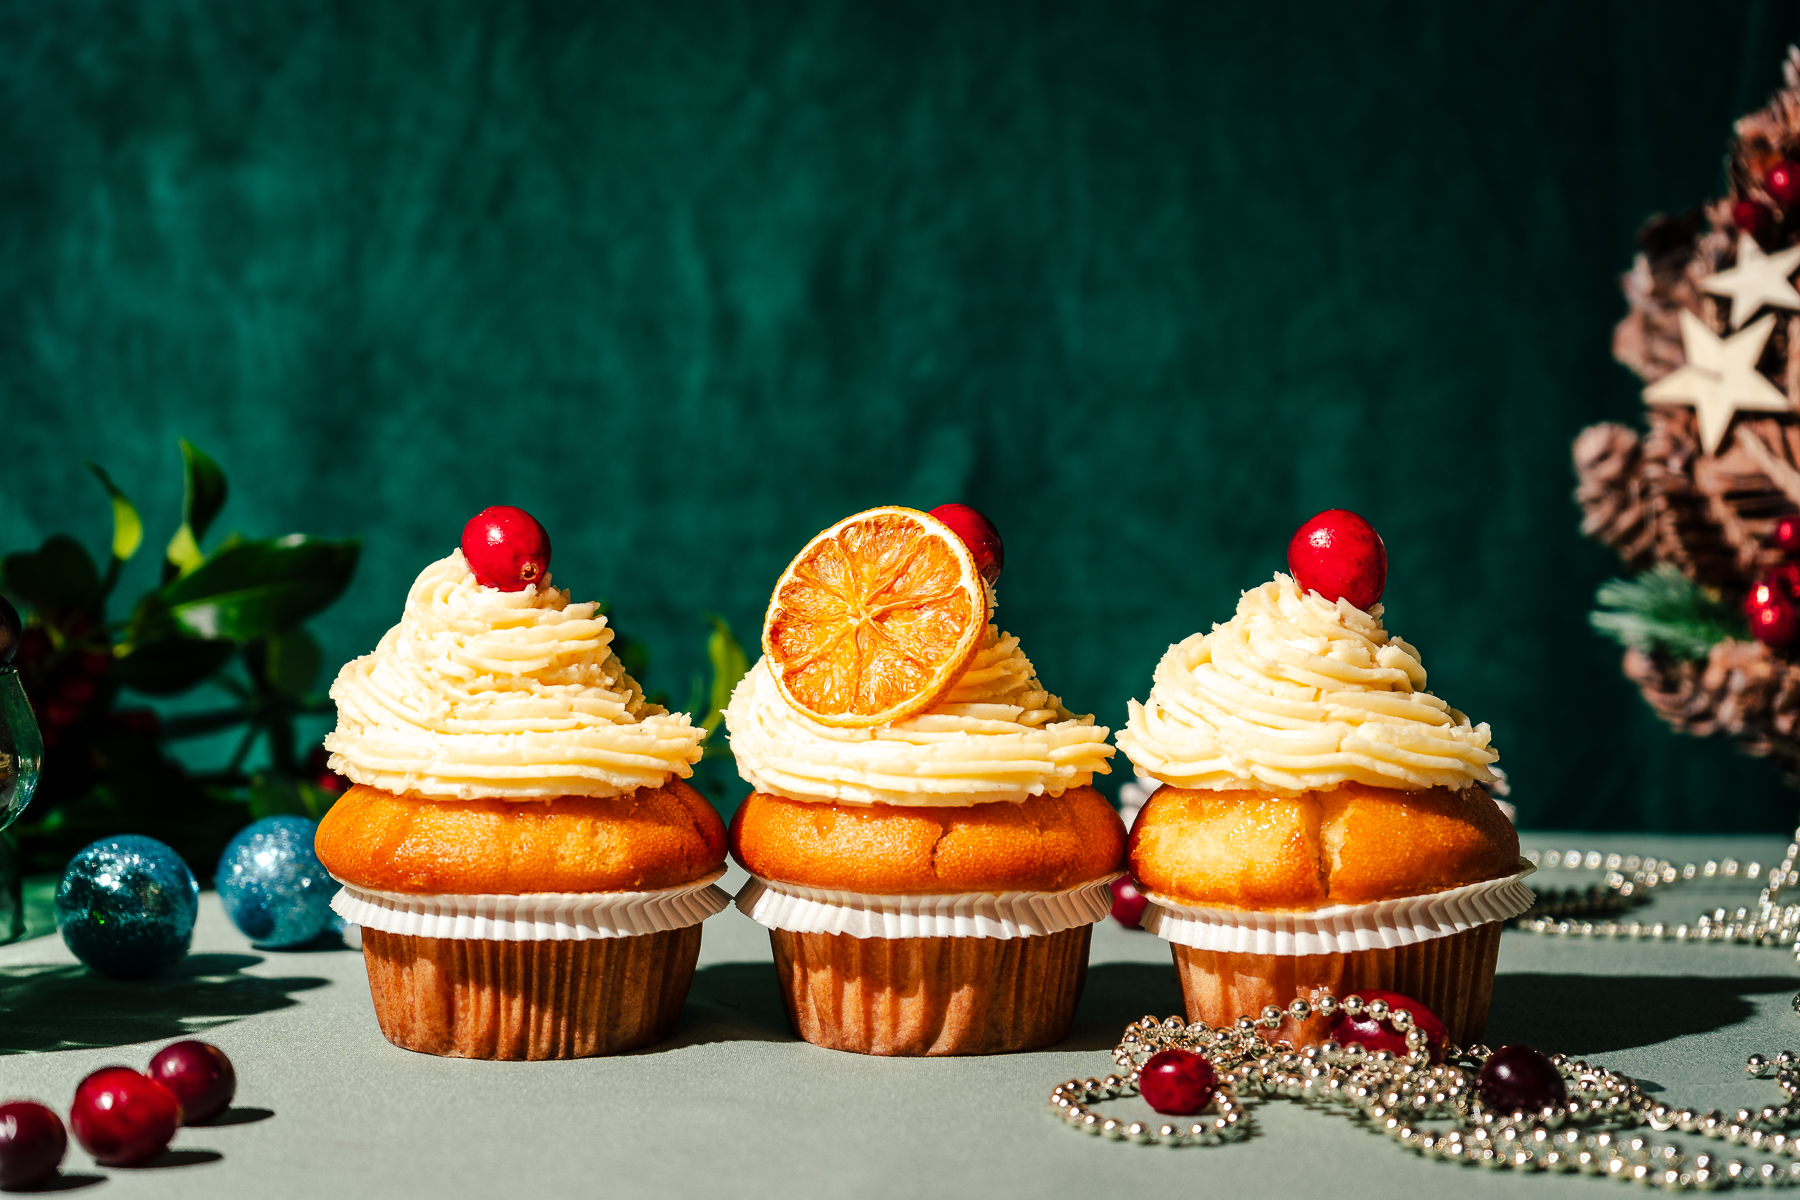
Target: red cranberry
{"x":1373,"y":1035}
{"x":1340,"y":556}
{"x":200,"y":1077}
{"x":123,"y":1117}
{"x":32,"y":1142}
{"x":1773,"y":621}
{"x":1177,"y":1082}
{"x":1520,"y":1079}
{"x":1128,"y":903}
{"x":1782,"y":181}
{"x":978,"y":534}
{"x":506,"y":548}
{"x":1786,"y":537}
{"x":1750,"y":217}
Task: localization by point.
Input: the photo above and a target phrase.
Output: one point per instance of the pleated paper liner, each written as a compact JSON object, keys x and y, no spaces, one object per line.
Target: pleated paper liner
{"x":1452,"y":976}
{"x":931,"y":996}
{"x":477,"y":998}
{"x":533,"y":976}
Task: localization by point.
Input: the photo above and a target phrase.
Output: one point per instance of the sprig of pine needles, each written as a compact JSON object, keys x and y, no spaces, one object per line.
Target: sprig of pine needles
{"x":1663,"y":610}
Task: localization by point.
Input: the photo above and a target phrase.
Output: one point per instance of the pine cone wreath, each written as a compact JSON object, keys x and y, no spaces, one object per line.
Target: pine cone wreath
{"x":1704,"y":501}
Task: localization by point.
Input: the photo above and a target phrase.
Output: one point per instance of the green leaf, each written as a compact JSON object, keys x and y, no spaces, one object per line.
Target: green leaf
{"x":728,"y":667}
{"x":1663,"y":610}
{"x":273,"y":795}
{"x":128,"y":527}
{"x":292,"y":662}
{"x":56,"y":579}
{"x":318,"y":801}
{"x":259,"y":589}
{"x":184,"y":552}
{"x":204,"y":493}
{"x":202,"y":496}
{"x":170,"y":665}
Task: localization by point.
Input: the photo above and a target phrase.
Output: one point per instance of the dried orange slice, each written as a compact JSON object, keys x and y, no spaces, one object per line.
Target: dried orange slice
{"x":875,"y":619}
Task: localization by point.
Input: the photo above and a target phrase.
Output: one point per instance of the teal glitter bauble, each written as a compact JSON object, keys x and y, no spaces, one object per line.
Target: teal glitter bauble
{"x":126,"y":906}
{"x":273,"y":886}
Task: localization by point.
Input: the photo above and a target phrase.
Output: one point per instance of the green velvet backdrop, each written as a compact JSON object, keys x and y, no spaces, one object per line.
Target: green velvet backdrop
{"x":1148,"y":283}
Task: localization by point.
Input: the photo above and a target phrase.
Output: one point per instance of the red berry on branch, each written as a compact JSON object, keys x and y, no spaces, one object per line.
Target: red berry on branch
{"x":1773,"y":621}
{"x":1750,"y":217}
{"x":506,"y":548}
{"x":32,"y":1143}
{"x":123,"y":1117}
{"x":1786,"y":537}
{"x":142,"y":721}
{"x":1128,"y":903}
{"x":1340,"y":556}
{"x":1521,"y":1079}
{"x":978,"y":534}
{"x":1179,"y":1082}
{"x":1373,"y":1035}
{"x":76,"y":690}
{"x":200,"y":1077}
{"x":1782,"y":181}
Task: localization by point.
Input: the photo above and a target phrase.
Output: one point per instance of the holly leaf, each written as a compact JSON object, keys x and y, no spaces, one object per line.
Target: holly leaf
{"x":170,"y":665}
{"x":56,"y":579}
{"x":203,"y":495}
{"x":128,"y":527}
{"x":257,"y":589}
{"x":291,"y":662}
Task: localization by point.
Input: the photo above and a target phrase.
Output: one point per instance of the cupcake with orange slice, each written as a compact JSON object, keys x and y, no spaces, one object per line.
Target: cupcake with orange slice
{"x":528,"y":867}
{"x":926,"y":849}
{"x":1323,"y":821}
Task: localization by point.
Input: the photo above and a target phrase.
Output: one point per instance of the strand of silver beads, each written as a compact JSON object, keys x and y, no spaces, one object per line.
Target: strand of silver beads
{"x":1631,"y":879}
{"x":1409,"y":1099}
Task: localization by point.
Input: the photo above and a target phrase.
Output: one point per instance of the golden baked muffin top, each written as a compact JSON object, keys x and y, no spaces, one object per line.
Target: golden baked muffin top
{"x":647,"y":839}
{"x":1352,"y":845}
{"x":1039,"y":844}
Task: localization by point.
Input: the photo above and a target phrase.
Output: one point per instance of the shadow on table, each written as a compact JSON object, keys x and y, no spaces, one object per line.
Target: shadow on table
{"x":1118,"y":993}
{"x":68,"y":1007}
{"x":1591,"y":1014}
{"x":63,"y":1181}
{"x":730,"y":1002}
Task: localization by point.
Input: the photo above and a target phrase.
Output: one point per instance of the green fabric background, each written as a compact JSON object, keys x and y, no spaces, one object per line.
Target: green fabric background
{"x":1148,"y":283}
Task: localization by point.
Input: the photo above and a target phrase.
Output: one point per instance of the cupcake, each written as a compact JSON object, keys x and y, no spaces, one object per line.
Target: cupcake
{"x":924,"y":845}
{"x":528,"y":867}
{"x":1323,"y":820}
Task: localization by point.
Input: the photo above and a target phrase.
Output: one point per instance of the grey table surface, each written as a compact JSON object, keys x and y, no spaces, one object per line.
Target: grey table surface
{"x":733,"y":1105}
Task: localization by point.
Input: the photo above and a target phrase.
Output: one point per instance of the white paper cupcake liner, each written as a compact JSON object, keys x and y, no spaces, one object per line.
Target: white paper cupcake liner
{"x":533,"y":916}
{"x":956,"y":914}
{"x":1341,"y":928}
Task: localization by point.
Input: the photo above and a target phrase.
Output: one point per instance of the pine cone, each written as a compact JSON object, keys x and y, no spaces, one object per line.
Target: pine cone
{"x":1611,"y":492}
{"x":1742,"y":690}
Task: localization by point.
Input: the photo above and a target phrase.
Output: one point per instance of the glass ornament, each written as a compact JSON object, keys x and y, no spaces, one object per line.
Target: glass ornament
{"x":126,"y":906}
{"x":273,"y":886}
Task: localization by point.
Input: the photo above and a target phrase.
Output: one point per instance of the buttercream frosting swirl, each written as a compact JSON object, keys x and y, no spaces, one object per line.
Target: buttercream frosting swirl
{"x":997,"y":736}
{"x":479,"y":693}
{"x":1298,"y":693}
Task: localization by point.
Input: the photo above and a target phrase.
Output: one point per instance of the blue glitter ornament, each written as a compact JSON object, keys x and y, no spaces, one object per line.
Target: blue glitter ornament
{"x":126,"y":906}
{"x":273,"y":886}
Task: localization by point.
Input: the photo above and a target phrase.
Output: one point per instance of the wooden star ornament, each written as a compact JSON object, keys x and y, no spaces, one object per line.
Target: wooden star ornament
{"x":1758,"y":279}
{"x":1720,"y":378}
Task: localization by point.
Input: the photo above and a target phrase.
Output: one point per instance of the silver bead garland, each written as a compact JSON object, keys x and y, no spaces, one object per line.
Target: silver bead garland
{"x":1398,"y":1095}
{"x":1631,"y":879}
